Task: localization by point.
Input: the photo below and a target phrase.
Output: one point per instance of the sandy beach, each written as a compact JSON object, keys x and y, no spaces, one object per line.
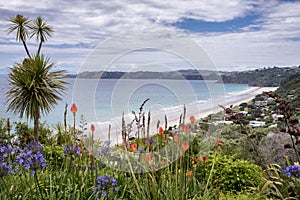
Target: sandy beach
{"x":234,"y":101}
{"x":198,"y":110}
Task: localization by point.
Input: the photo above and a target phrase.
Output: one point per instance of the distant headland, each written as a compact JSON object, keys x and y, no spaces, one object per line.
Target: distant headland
{"x":264,"y":77}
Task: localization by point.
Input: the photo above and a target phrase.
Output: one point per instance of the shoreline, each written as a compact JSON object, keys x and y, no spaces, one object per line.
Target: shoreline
{"x":235,"y":100}
{"x":199,"y":110}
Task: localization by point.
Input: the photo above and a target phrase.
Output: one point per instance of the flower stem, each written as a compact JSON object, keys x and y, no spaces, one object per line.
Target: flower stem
{"x":37,"y":182}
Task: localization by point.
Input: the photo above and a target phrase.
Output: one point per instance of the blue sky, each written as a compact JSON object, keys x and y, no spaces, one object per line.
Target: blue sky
{"x":233,"y":25}
{"x":235,"y":34}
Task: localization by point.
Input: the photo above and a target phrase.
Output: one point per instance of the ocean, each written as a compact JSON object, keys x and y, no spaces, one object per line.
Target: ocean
{"x":105,"y":100}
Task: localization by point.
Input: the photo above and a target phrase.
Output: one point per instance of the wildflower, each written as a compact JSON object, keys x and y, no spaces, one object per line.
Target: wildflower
{"x":186,"y":129}
{"x":140,"y":149}
{"x":90,"y":154}
{"x":148,"y":158}
{"x":25,"y":138}
{"x":93,"y":128}
{"x":219,"y":142}
{"x":161,"y":130}
{"x":133,"y":147}
{"x":176,"y":138}
{"x":71,"y":150}
{"x":204,"y":158}
{"x":147,"y":141}
{"x":5,"y":164}
{"x":154,"y":142}
{"x":192,"y":119}
{"x":185,"y":145}
{"x":74,"y":108}
{"x":107,"y":185}
{"x":189,"y":173}
{"x":31,"y":157}
{"x":196,"y":159}
{"x":105,"y":149}
{"x":293,"y":171}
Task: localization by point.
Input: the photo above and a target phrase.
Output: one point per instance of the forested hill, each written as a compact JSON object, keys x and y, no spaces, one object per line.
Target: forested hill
{"x":181,"y":74}
{"x":266,"y":77}
{"x":290,"y":89}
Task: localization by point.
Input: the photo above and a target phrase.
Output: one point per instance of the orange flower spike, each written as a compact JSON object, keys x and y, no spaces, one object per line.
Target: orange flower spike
{"x":133,"y":147}
{"x":74,"y":108}
{"x":176,"y":138}
{"x":25,"y":138}
{"x":196,"y":159}
{"x":93,"y":128}
{"x":189,"y":173}
{"x":219,"y":143}
{"x":192,"y":119}
{"x":186,"y":129}
{"x":148,"y":158}
{"x":185,"y":145}
{"x":161,"y":130}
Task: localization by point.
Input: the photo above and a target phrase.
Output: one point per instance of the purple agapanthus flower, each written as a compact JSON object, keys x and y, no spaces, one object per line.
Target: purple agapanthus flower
{"x":31,"y":157}
{"x":140,"y":150}
{"x":152,"y":141}
{"x":71,"y":150}
{"x":293,"y":171}
{"x":106,"y":185}
{"x":105,"y":149}
{"x":6,"y":164}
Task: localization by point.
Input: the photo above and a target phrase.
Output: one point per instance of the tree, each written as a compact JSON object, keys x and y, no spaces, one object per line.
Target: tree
{"x":34,"y":89}
{"x":21,"y":25}
{"x":41,"y":30}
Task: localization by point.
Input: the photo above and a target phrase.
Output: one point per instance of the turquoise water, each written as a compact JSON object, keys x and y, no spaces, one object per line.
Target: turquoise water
{"x":106,"y":99}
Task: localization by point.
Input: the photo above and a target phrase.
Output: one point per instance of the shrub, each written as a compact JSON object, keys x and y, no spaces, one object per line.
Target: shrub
{"x":230,"y":174}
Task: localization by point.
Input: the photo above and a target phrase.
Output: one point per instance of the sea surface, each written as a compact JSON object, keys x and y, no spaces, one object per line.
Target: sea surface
{"x":106,"y":99}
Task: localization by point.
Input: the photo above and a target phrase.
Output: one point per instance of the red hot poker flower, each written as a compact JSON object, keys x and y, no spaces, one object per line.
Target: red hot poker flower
{"x":186,"y":129}
{"x":185,"y":145}
{"x":93,"y":128}
{"x":176,"y":138}
{"x":133,"y":147}
{"x":219,"y":142}
{"x":148,"y":158}
{"x":160,"y":130}
{"x":74,"y":108}
{"x":192,"y":119}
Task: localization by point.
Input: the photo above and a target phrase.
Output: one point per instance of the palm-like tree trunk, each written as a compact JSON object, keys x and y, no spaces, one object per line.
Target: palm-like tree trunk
{"x":40,"y":46}
{"x":25,"y":46}
{"x":36,"y":128}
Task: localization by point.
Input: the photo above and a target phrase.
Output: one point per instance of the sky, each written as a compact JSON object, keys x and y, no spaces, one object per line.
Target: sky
{"x":236,"y":35}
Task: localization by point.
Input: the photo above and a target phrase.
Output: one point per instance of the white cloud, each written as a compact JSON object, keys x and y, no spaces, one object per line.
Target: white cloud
{"x":83,"y":24}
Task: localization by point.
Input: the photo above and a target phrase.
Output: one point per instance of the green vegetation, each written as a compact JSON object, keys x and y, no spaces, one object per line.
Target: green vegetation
{"x":290,"y":90}
{"x":267,"y":77}
{"x":34,"y":88}
{"x":223,"y":162}
{"x":181,"y":74}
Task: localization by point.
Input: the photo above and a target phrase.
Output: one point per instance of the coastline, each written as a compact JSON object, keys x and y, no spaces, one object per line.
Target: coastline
{"x":200,"y":110}
{"x":235,"y":100}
